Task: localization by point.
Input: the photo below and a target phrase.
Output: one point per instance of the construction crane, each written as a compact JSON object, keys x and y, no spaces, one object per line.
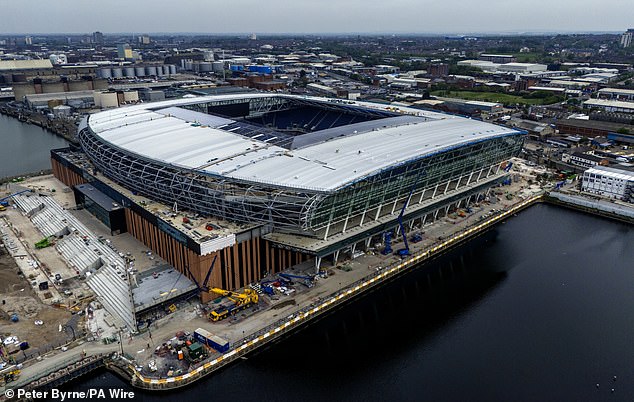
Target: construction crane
{"x":403,"y":252}
{"x":9,"y":374}
{"x":240,"y":301}
{"x":5,"y":203}
{"x":307,"y":280}
{"x":387,"y":238}
{"x":204,"y":286}
{"x":388,"y":235}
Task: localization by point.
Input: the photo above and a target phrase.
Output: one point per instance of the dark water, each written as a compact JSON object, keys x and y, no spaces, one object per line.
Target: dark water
{"x":24,"y":148}
{"x":540,"y":309}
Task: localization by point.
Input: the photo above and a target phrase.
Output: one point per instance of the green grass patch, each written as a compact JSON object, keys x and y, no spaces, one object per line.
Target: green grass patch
{"x":527,"y":57}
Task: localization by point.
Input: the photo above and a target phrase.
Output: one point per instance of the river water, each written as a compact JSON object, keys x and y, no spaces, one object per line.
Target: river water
{"x":24,"y":148}
{"x":541,"y":308}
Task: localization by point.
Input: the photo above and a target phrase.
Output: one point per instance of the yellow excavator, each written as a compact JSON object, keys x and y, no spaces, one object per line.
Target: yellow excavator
{"x":9,"y":374}
{"x":247,"y":298}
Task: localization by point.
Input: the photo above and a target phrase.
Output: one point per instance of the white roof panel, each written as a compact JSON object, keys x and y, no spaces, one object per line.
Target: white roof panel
{"x":324,"y":166}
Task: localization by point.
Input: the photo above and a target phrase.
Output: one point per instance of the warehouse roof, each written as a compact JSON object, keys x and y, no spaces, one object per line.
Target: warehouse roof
{"x":612,"y":172}
{"x":173,"y":138}
{"x":609,"y":103}
{"x":6,"y":65}
{"x":617,"y":91}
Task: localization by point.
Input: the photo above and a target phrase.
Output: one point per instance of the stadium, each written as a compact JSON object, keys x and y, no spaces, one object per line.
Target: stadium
{"x":243,"y":185}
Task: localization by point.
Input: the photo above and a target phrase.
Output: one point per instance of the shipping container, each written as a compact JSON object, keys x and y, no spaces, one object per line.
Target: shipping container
{"x":213,"y":341}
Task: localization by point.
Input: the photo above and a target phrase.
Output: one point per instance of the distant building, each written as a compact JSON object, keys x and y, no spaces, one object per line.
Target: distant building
{"x":626,"y":38}
{"x":97,"y":38}
{"x":587,"y":128}
{"x":609,"y":105}
{"x":144,"y":40}
{"x":124,"y":51}
{"x":498,"y":58}
{"x":584,"y":160}
{"x":28,"y":40}
{"x":484,"y":65}
{"x":386,"y":69}
{"x":609,"y":182}
{"x":439,"y":70}
{"x":522,"y":68}
{"x":470,"y":107}
{"x":616,"y":94}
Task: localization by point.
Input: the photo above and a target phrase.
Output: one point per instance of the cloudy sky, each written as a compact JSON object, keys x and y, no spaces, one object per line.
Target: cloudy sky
{"x":313,"y":16}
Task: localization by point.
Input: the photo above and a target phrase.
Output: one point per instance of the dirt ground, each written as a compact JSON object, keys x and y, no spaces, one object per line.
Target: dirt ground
{"x":17,"y":296}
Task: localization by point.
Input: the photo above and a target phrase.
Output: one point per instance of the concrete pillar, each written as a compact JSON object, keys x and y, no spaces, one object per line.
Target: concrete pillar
{"x":447,"y":186}
{"x":335,"y":257}
{"x":317,"y":264}
{"x":378,"y":211}
{"x":422,"y":195}
{"x":394,"y":206}
{"x":479,"y":174}
{"x":435,"y":189}
{"x":327,"y":230}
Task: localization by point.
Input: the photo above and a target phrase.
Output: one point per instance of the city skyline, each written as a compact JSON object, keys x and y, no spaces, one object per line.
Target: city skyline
{"x":350,"y":16}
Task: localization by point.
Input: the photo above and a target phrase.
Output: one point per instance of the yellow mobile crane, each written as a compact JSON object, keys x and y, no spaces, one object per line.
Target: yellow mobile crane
{"x":9,"y":374}
{"x":240,"y":301}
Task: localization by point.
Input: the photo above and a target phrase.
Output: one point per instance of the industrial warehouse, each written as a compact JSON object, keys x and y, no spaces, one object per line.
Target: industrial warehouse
{"x":231,"y":188}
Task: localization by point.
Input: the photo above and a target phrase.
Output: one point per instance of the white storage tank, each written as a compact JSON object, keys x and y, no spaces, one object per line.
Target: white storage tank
{"x":139,"y":71}
{"x":218,"y":66}
{"x":128,"y":71}
{"x":104,"y":72}
{"x":205,"y":67}
{"x":117,"y":72}
{"x":166,"y":70}
{"x":150,"y":70}
{"x":189,"y":65}
{"x":172,"y":69}
{"x":62,"y":111}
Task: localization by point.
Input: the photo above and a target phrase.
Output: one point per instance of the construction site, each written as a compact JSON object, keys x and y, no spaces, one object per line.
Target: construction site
{"x":175,"y":256}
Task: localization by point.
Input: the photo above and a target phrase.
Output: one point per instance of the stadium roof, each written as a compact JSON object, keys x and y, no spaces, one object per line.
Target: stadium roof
{"x":161,"y":131}
{"x":609,"y":103}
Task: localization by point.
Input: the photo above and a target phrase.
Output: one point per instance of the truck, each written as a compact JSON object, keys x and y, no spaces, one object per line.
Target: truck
{"x":240,"y":301}
{"x":213,"y":341}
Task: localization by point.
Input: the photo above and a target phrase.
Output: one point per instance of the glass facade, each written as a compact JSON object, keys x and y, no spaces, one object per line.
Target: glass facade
{"x":291,"y":209}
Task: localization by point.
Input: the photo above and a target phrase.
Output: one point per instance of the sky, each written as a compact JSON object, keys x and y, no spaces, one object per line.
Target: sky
{"x":314,"y":16}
